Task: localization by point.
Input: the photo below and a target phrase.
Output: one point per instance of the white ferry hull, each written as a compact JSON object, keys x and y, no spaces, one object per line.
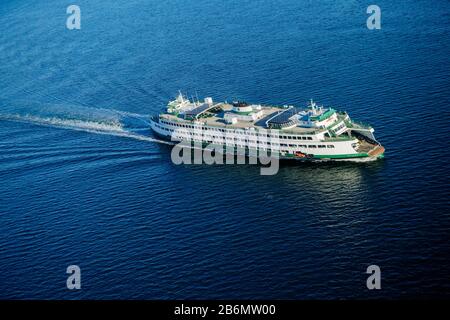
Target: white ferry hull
{"x":329,"y":151}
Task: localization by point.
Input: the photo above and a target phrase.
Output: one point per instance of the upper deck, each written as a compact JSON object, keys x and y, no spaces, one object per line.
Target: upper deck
{"x":324,"y":123}
{"x":217,"y":119}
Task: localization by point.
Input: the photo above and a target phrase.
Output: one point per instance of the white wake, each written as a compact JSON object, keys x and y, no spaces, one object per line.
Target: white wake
{"x":92,"y":120}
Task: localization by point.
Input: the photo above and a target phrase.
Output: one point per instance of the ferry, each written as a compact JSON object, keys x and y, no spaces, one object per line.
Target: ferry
{"x":310,"y":133}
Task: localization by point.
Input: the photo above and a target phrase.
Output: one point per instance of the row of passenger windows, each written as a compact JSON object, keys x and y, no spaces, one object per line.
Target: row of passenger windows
{"x":307,"y":145}
{"x":339,"y":127}
{"x":282,"y":145}
{"x":296,"y":137}
{"x":237,"y":131}
{"x":219,"y":138}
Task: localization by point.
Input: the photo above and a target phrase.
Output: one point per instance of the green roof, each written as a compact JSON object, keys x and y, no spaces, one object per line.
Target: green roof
{"x":324,"y":115}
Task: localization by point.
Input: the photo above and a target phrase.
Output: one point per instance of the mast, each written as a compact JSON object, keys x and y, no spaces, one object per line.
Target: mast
{"x":180,"y":96}
{"x":196,"y":94}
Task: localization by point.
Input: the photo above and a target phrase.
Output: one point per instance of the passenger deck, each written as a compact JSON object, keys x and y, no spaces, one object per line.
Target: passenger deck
{"x":217,"y":120}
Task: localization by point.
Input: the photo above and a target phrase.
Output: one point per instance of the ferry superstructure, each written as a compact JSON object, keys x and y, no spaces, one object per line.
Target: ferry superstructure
{"x":310,"y":133}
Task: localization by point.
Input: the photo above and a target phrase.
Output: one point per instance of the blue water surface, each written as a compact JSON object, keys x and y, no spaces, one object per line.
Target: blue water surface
{"x":83,"y":181}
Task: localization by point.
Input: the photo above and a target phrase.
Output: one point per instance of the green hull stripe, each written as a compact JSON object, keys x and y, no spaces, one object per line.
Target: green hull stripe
{"x":341,"y":156}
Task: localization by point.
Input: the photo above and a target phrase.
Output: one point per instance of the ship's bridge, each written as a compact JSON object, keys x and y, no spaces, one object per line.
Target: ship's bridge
{"x":318,"y":117}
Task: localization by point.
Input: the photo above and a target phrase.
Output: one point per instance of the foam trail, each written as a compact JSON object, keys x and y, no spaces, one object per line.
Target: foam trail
{"x":92,"y":120}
